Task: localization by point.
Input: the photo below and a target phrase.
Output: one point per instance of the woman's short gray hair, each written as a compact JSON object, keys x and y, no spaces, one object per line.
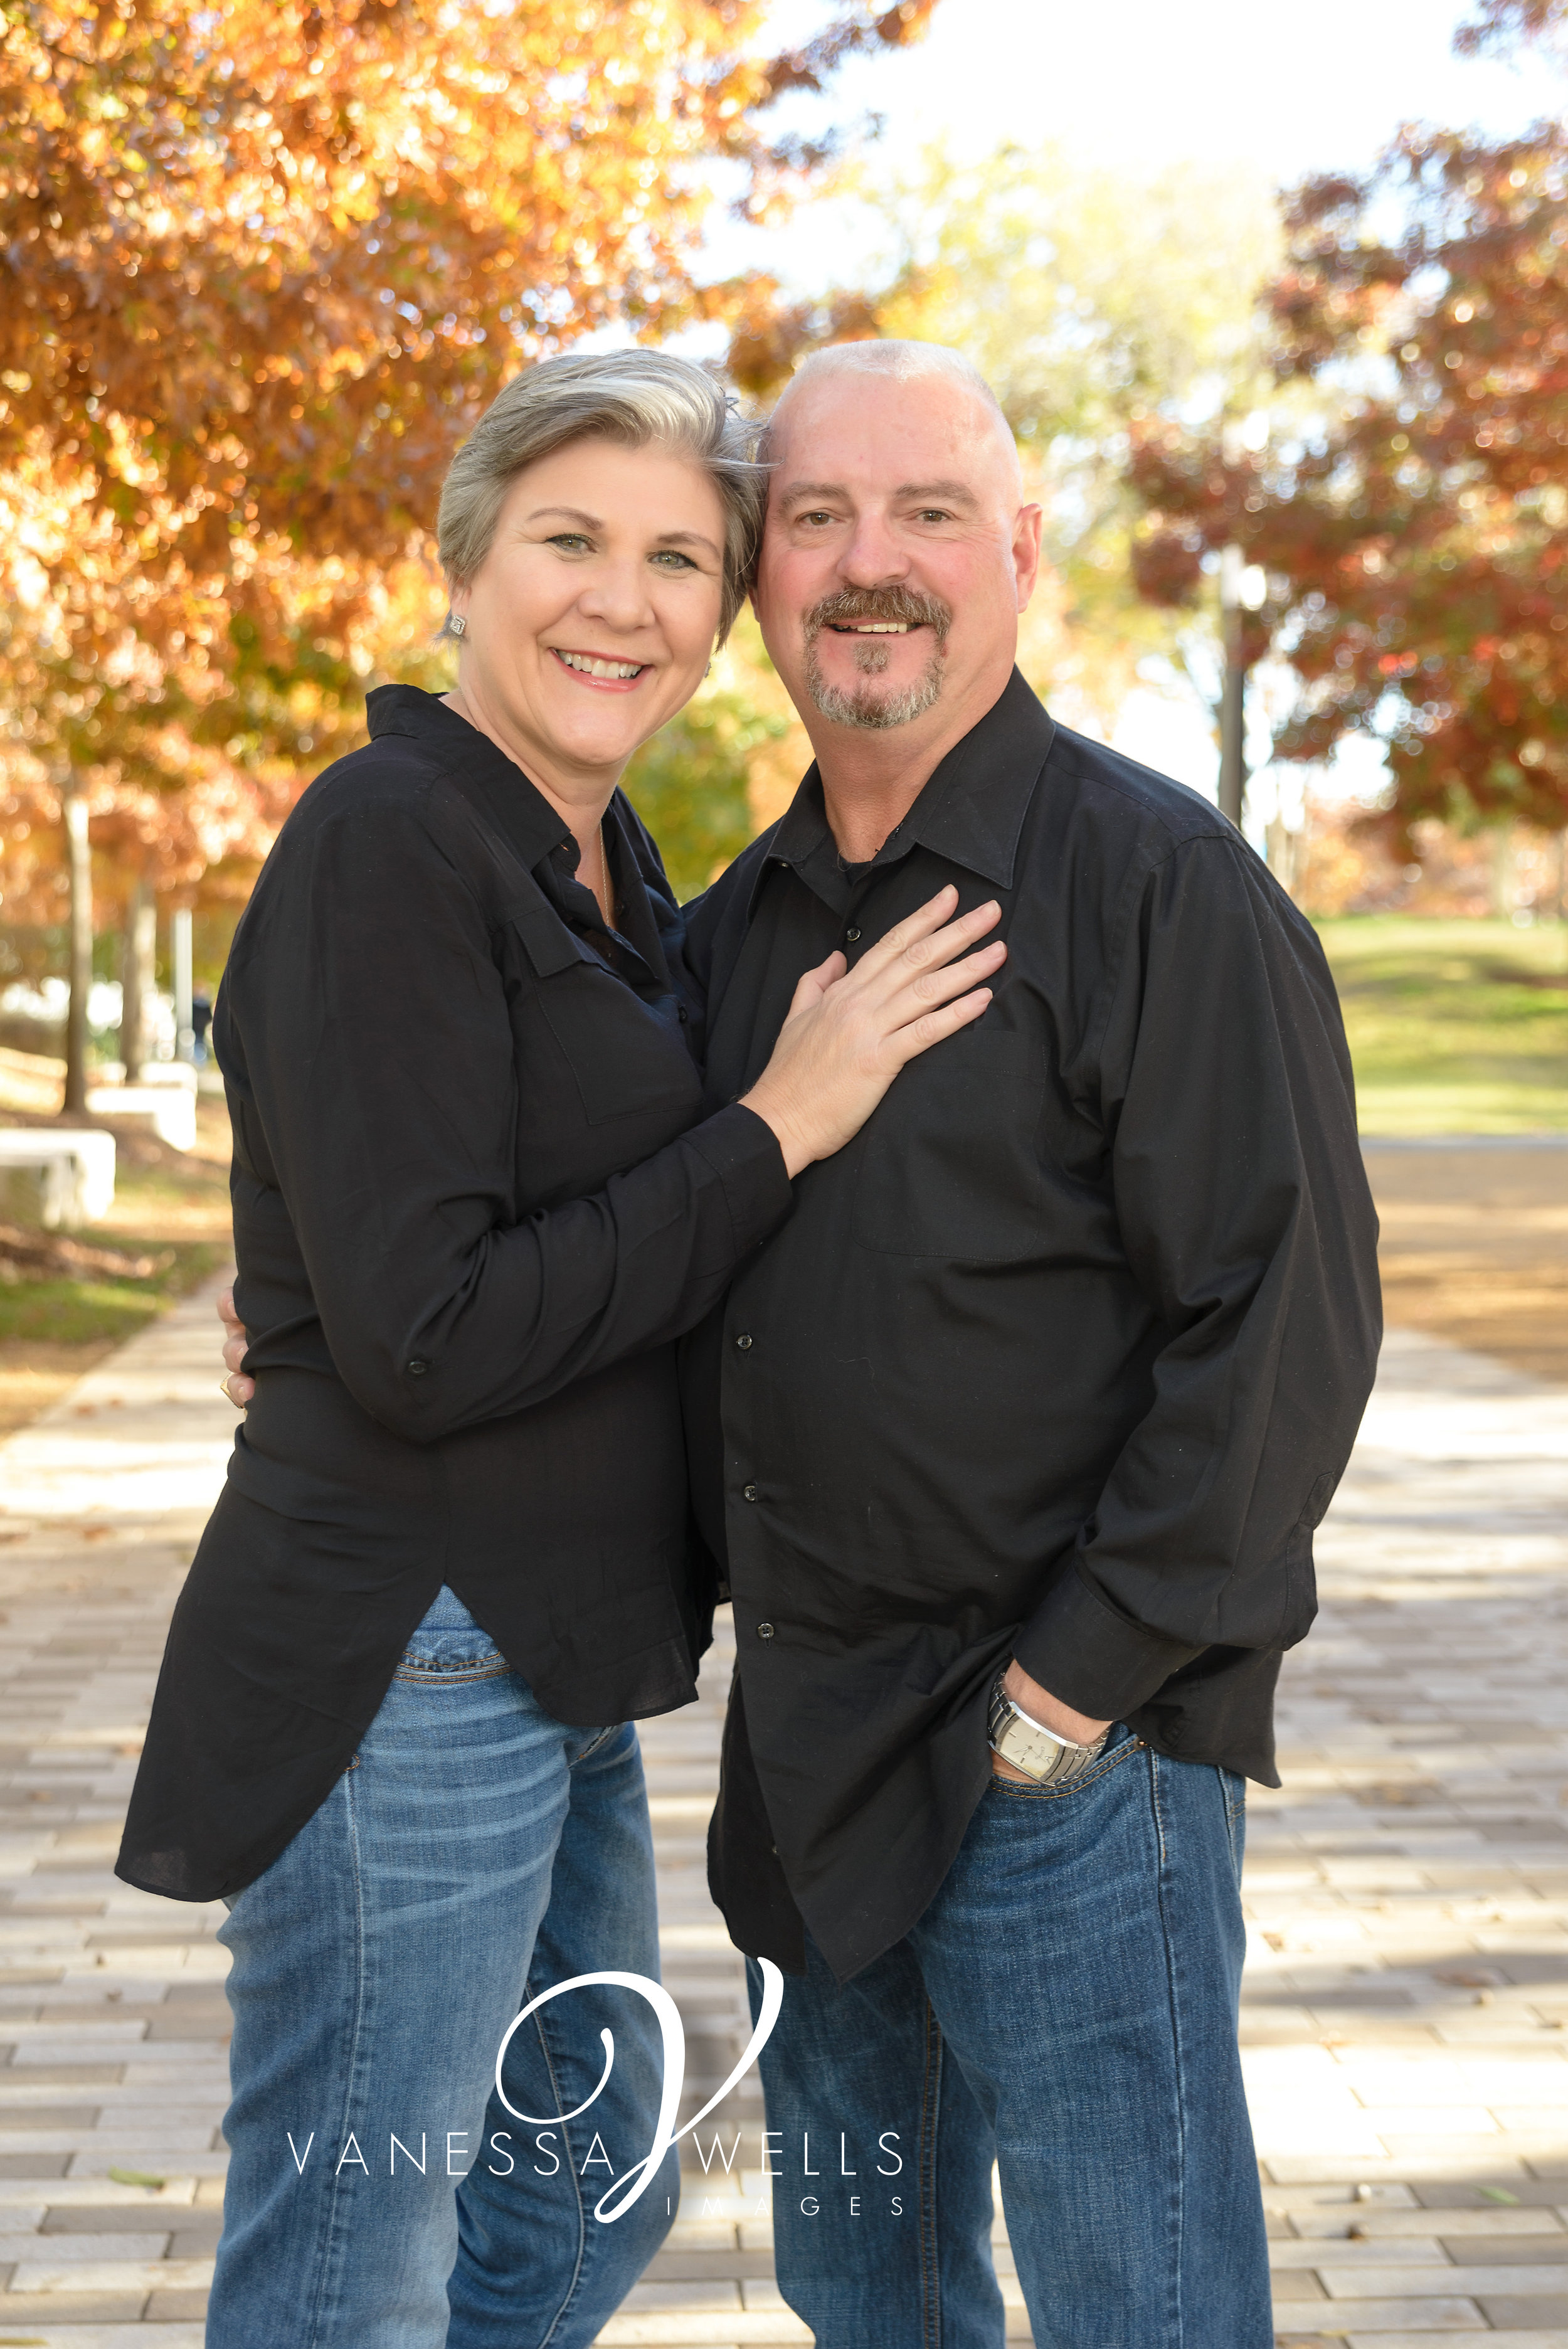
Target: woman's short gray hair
{"x":639,"y":398}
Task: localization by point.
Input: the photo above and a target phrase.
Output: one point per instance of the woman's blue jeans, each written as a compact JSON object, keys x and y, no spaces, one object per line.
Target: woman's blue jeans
{"x":1066,"y":2008}
{"x":379,"y":2195}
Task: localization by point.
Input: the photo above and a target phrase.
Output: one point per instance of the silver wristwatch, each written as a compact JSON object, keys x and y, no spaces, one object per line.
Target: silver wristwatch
{"x":1038,"y":1752}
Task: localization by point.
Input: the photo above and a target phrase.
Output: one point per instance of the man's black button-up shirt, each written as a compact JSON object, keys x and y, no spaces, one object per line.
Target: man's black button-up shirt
{"x":1061,"y":1358}
{"x":476,"y":1201}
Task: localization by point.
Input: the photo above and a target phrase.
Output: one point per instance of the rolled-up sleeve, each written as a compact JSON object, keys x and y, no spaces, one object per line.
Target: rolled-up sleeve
{"x":1226,"y":1094}
{"x":381,"y":1092}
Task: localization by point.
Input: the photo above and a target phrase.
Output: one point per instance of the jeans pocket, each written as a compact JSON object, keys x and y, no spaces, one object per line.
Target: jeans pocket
{"x":448,"y":1648}
{"x":450,"y":1671}
{"x":1115,"y":1753}
{"x":1234,"y":1789}
{"x":597,"y":1738}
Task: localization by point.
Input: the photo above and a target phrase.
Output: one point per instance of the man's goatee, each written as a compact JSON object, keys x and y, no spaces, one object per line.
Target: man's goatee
{"x":862,"y":706}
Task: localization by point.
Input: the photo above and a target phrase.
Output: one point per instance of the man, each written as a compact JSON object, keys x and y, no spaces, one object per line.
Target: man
{"x":1010,"y":1445}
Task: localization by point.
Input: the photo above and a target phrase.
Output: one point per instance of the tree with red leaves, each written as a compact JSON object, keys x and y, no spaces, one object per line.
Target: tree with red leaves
{"x":1415,"y":542}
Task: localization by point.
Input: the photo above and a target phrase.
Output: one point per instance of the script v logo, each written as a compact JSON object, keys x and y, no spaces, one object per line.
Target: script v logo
{"x":618,"y":2197}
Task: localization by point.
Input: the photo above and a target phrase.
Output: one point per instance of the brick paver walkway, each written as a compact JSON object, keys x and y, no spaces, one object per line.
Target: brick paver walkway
{"x":1408,"y":1997}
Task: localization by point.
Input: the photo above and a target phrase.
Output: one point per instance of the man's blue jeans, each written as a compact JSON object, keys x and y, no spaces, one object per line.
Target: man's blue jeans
{"x":1066,"y":2008}
{"x":380,"y":2195}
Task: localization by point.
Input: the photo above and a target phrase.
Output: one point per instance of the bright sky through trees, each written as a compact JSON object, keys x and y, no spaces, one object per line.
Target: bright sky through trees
{"x":1288,"y":92}
{"x":1294,"y":90}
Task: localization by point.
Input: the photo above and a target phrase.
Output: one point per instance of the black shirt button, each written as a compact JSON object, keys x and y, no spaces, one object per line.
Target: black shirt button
{"x":744,"y":1342}
{"x":850,"y":937}
{"x":765,"y":1631}
{"x":748,"y":1491}
{"x":417,"y":1369}
{"x":685,"y":1015}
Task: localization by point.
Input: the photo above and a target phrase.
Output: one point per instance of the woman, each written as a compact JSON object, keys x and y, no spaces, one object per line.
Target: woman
{"x":476,"y":1201}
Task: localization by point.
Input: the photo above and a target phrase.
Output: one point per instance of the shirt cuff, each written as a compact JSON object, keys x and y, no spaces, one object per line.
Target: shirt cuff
{"x":1089,"y":1656}
{"x":745,"y":1153}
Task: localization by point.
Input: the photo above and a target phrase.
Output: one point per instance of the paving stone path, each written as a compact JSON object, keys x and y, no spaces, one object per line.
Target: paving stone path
{"x":1407,"y":2017}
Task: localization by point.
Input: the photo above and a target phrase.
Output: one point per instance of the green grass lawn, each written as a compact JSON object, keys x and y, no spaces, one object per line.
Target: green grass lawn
{"x":171,"y":1209}
{"x":1456,"y":1027}
{"x":77,"y":1312}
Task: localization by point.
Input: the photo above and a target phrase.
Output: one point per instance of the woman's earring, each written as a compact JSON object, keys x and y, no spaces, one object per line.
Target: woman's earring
{"x":457,"y":624}
{"x":708,"y":670}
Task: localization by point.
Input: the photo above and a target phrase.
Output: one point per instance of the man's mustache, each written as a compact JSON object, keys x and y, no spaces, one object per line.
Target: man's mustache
{"x":861,"y":604}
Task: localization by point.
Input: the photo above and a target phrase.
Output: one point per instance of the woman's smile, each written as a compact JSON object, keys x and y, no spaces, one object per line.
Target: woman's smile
{"x":602,"y":671}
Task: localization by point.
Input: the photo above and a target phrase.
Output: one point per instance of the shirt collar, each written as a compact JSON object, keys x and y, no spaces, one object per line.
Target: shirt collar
{"x":538,"y":831}
{"x":520,"y":813}
{"x":971,"y":812}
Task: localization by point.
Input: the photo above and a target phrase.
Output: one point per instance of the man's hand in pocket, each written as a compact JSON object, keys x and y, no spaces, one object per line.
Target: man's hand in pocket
{"x":1038,"y":1703}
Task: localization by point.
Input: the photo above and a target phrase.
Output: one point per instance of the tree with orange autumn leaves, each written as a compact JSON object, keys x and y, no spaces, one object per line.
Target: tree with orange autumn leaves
{"x":1416,"y":541}
{"x":261,"y":265}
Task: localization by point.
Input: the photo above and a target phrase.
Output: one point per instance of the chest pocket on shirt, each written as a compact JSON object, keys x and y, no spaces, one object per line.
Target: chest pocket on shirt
{"x":628,"y":1056}
{"x":950,"y":1165}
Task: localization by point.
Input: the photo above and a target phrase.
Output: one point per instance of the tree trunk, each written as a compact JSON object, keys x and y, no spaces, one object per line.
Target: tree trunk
{"x":136,"y":977}
{"x":180,"y":946}
{"x":1233,"y":711}
{"x":78,"y":852}
{"x":1232,"y":733}
{"x":1502,"y":871}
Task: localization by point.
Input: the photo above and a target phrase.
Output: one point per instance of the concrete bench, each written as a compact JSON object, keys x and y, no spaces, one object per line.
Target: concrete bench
{"x":153,"y":1072}
{"x":65,"y":1174}
{"x":169,"y":1109}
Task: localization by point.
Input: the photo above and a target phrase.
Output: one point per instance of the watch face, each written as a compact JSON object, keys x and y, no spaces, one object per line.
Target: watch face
{"x":1029,"y":1752}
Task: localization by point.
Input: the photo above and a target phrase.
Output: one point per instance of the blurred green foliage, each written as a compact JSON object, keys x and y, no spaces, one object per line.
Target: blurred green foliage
{"x":689,"y":784}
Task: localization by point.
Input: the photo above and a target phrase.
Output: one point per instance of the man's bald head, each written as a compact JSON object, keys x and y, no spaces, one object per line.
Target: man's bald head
{"x":897,"y":551}
{"x":901,"y":363}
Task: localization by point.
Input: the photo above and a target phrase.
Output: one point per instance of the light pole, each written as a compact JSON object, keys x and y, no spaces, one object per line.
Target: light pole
{"x":137,"y":966}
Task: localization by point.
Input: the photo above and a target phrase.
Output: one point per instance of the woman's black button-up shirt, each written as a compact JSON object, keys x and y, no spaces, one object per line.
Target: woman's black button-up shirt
{"x":476,"y":1201}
